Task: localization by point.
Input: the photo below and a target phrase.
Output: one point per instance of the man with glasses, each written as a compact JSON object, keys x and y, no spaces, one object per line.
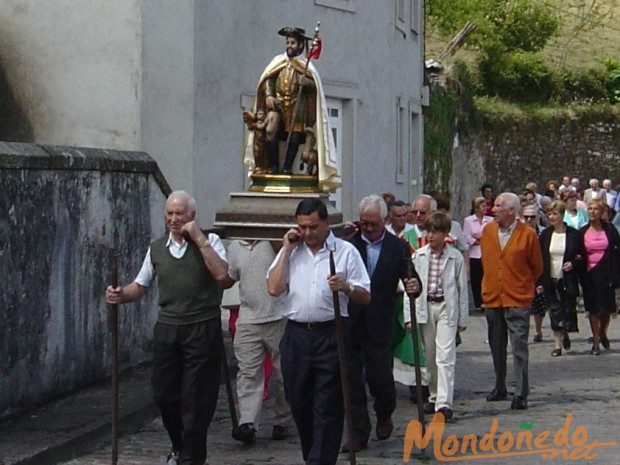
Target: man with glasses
{"x":372,"y":324}
{"x":421,"y":207}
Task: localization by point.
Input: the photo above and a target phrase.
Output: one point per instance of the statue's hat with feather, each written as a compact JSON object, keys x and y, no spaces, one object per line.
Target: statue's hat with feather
{"x":296,"y":32}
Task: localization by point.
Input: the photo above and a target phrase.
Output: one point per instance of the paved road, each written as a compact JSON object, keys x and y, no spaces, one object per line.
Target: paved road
{"x":576,"y":384}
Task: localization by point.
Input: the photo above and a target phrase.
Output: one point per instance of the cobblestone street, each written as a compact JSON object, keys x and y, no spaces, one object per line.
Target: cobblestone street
{"x":576,"y":383}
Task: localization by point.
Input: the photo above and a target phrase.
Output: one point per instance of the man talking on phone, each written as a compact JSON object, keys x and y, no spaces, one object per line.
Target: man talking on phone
{"x":308,"y":348}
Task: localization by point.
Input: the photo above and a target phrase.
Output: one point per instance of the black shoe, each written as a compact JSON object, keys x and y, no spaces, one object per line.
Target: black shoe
{"x":605,"y":342}
{"x":566,"y":342}
{"x":518,"y":403}
{"x":287,"y":171}
{"x":272,"y":170}
{"x":556,"y":352}
{"x":429,"y":408}
{"x":279,"y":432}
{"x":595,"y":350}
{"x":173,"y":458}
{"x":496,"y":395}
{"x":245,"y":433}
{"x":447,"y":413}
{"x":538,"y":338}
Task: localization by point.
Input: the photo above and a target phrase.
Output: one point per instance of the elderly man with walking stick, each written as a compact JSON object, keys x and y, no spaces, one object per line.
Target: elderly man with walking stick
{"x":311,"y":371}
{"x":187,"y":337}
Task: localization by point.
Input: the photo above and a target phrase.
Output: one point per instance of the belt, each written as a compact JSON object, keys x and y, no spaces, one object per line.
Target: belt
{"x":317,"y":325}
{"x":433,"y":298}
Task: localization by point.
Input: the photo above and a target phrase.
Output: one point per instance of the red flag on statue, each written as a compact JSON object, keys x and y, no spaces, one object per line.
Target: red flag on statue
{"x":315,"y":51}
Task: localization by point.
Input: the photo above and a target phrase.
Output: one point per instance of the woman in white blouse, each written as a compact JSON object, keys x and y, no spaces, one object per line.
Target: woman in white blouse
{"x":472,"y":228}
{"x":564,"y":259}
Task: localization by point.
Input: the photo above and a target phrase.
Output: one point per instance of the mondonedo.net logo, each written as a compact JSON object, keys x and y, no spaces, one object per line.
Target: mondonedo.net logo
{"x":561,"y":444}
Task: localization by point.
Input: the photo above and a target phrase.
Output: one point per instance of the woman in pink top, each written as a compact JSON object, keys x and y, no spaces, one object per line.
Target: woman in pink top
{"x":472,"y":228}
{"x":602,"y":244}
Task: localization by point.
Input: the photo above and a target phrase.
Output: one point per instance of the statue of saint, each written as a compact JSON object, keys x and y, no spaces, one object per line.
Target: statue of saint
{"x":294,"y":116}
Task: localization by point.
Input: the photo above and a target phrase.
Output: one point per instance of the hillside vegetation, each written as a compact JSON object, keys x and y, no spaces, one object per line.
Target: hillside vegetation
{"x":580,"y":44}
{"x":534,"y":51}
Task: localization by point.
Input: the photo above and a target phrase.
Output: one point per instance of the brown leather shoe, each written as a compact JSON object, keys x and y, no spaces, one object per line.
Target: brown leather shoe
{"x":384,"y":429}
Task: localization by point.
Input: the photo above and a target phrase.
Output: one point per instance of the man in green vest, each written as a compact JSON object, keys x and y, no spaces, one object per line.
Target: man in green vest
{"x":187,"y":336}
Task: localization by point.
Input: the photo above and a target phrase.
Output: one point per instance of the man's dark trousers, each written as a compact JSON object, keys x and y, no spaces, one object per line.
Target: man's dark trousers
{"x":186,"y":380}
{"x":375,"y":361}
{"x":311,"y":372}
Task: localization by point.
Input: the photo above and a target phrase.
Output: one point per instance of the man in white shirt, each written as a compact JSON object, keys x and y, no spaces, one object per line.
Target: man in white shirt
{"x":258,"y":332}
{"x":611,"y":195}
{"x":301,"y":274}
{"x":187,"y":341}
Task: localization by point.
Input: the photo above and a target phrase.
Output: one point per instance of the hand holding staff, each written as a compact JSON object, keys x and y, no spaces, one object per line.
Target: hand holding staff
{"x":411,"y":288}
{"x":344,"y":372}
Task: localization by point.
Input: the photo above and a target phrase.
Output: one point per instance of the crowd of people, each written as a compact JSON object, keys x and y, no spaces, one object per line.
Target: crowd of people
{"x":545,"y":252}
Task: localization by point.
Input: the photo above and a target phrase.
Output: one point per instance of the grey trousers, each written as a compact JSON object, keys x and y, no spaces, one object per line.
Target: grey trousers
{"x":514,"y":322}
{"x":251,"y":343}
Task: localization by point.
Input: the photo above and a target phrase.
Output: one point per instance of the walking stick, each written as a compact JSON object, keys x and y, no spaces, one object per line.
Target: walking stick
{"x":416,"y":348}
{"x":344,"y":372}
{"x":114,"y":361}
{"x":229,"y":391}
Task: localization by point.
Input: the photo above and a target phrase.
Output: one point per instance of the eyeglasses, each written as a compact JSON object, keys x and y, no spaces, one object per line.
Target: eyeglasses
{"x":529,"y":217}
{"x":418,"y":212}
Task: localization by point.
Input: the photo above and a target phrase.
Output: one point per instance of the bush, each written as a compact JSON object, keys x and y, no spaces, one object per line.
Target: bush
{"x":519,"y":77}
{"x":586,"y":86}
{"x":613,"y":83}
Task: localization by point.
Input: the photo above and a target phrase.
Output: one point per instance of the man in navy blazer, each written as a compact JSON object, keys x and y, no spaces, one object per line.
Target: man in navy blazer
{"x":371,"y":326}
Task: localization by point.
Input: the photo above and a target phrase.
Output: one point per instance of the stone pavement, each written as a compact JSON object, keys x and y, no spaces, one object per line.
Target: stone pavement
{"x":576,"y":383}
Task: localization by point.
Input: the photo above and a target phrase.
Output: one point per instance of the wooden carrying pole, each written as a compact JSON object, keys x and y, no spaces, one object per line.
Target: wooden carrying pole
{"x":229,"y":391}
{"x":416,"y":344}
{"x":114,"y":362}
{"x":344,"y":372}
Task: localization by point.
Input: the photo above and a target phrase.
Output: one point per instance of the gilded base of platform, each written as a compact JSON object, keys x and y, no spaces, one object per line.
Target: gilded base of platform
{"x":284,"y":183}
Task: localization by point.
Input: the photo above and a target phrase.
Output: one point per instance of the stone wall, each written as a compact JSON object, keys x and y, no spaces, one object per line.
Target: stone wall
{"x":509,"y":155}
{"x":65,"y":212}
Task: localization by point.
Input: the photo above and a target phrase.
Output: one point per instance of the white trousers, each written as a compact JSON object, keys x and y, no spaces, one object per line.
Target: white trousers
{"x":440,"y":350}
{"x":251,"y":343}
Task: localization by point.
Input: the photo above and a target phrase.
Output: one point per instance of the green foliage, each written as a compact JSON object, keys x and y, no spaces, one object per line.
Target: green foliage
{"x":502,"y":25}
{"x":439,"y":127}
{"x":590,"y":85}
{"x":519,"y":77}
{"x":613,"y":70}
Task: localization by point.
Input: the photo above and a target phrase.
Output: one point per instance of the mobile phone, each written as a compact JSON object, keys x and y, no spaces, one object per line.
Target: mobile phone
{"x":294,"y":237}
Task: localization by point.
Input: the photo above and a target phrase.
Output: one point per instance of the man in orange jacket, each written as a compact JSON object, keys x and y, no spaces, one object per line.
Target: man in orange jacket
{"x":511,"y":250}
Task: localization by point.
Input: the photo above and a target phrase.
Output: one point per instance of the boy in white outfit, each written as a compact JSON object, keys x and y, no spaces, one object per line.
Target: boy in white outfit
{"x":442,"y":309}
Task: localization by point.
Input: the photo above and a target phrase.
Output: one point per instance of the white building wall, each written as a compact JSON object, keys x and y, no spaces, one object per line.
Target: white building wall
{"x":170,"y":77}
{"x":75,"y":68}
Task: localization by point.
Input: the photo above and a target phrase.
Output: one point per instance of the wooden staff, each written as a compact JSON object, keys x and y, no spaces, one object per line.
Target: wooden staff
{"x":416,"y":342}
{"x":229,"y":391}
{"x":344,"y":372}
{"x":114,"y":361}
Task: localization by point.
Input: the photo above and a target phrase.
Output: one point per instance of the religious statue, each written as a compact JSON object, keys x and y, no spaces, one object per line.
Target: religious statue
{"x":290,"y":116}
